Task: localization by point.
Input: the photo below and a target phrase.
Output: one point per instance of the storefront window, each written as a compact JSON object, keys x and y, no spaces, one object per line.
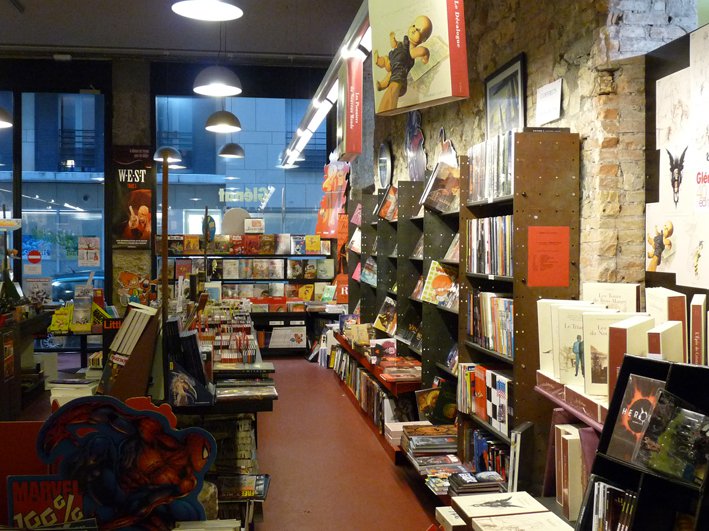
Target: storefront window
{"x":287,"y":199}
{"x":6,"y":163}
{"x":62,"y":189}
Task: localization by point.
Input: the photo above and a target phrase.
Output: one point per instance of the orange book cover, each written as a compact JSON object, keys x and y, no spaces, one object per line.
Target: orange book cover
{"x":481,"y":392}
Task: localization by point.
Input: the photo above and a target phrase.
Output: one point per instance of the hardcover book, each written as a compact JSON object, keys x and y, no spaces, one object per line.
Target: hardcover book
{"x":312,"y":244}
{"x":570,"y":333}
{"x":386,"y":317}
{"x":389,"y":208}
{"x":237,"y":244}
{"x":310,"y":269}
{"x":698,"y":329}
{"x":440,"y":280}
{"x":471,"y":508}
{"x":326,"y":269}
{"x":638,"y":402}
{"x":369,"y":272}
{"x":297,"y":244}
{"x":554,"y":331}
{"x":221,"y":244}
{"x":621,"y":296}
{"x":442,"y":192}
{"x":190,"y":243}
{"x":665,"y":341}
{"x":295,"y":269}
{"x":251,"y":244}
{"x":595,"y":349}
{"x":356,"y":274}
{"x":282,"y":243}
{"x":355,"y":243}
{"x":267,"y":244}
{"x":356,"y":218}
{"x":668,"y":305}
{"x":230,"y":269}
{"x":628,"y":336}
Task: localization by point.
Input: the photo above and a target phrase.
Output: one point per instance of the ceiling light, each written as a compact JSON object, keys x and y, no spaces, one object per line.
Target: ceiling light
{"x":223,"y":122}
{"x":5,"y":119}
{"x":231,"y":178}
{"x":232,"y":151}
{"x":172,"y":154}
{"x":209,"y":10}
{"x":217,"y":81}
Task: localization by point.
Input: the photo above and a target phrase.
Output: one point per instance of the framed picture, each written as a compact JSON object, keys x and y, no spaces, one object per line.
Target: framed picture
{"x":505,"y":90}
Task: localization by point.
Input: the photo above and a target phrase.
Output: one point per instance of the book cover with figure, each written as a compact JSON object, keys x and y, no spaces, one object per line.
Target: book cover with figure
{"x":419,"y":56}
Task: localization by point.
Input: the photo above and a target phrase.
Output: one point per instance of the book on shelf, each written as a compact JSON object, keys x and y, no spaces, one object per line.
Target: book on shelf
{"x":607,"y":506}
{"x":355,"y":243}
{"x":418,"y":249}
{"x":595,"y":348}
{"x":674,"y":440}
{"x":389,"y":207}
{"x":668,"y":305}
{"x":490,"y":245}
{"x":369,"y":271}
{"x":698,"y":329}
{"x":639,"y":399}
{"x":282,"y":243}
{"x":191,"y":243}
{"x":297,"y":244}
{"x":453,"y":252}
{"x":442,"y":190}
{"x":491,"y":321}
{"x":386,"y":317}
{"x":628,"y":336}
{"x":312,"y":244}
{"x":664,"y":341}
{"x":240,"y":487}
{"x":250,"y":244}
{"x":463,"y":483}
{"x":356,"y":218}
{"x":621,"y":296}
{"x":491,"y":163}
{"x":267,"y":244}
{"x":440,"y":281}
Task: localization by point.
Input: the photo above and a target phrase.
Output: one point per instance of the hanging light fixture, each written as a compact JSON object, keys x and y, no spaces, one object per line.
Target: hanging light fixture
{"x":232,"y":150}
{"x":5,"y":119}
{"x":209,"y":10}
{"x":223,"y":122}
{"x":167,"y":154}
{"x":218,"y":82}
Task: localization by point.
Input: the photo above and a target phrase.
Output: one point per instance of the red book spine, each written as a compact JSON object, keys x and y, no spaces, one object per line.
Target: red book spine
{"x":457,"y":49}
{"x":480,"y":392}
{"x":677,"y":311}
{"x":697,"y":335}
{"x":654,"y":343}
{"x":617,"y":348}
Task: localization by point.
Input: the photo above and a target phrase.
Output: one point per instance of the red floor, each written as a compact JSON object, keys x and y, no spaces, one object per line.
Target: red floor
{"x":327,"y":469}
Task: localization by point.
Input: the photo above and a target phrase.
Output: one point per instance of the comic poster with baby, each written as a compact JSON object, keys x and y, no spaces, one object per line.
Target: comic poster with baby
{"x":419,"y":54}
{"x":677,"y":212}
{"x":133,"y":183}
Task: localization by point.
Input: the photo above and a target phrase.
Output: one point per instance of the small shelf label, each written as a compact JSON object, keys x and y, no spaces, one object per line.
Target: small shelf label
{"x":276,"y":323}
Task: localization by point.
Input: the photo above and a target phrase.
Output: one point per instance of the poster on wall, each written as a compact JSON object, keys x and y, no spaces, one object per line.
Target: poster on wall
{"x":132,"y":183}
{"x":89,"y":251}
{"x":675,"y":223}
{"x":419,"y":56}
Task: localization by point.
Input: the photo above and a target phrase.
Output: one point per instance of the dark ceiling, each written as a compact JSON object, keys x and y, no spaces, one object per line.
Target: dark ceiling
{"x":306,"y":32}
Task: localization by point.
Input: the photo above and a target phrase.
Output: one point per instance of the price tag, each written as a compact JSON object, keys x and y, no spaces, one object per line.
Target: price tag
{"x":276,"y":323}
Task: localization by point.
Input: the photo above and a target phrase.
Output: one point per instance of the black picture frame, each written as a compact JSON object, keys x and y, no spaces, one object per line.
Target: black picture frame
{"x":505,"y":97}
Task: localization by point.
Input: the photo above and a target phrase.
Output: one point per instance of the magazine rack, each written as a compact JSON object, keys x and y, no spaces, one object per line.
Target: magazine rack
{"x":660,"y":498}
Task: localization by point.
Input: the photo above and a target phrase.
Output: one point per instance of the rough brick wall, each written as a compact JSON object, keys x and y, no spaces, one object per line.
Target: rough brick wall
{"x":590,"y":44}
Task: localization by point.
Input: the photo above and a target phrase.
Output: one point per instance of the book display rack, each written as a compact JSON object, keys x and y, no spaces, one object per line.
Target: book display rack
{"x":667,"y":489}
{"x":507,"y":222}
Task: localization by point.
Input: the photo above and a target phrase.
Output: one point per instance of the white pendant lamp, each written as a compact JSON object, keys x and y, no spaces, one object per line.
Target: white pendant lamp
{"x":232,"y":151}
{"x":209,"y":10}
{"x":5,"y":119}
{"x":223,"y":122}
{"x":167,"y":154}
{"x":217,"y":81}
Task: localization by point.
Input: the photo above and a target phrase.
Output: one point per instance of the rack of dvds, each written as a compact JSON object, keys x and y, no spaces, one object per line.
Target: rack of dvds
{"x":650,"y":468}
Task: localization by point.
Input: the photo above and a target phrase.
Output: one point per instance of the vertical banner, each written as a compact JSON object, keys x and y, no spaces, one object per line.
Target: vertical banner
{"x":333,"y":199}
{"x":131,"y":187}
{"x":349,"y":109}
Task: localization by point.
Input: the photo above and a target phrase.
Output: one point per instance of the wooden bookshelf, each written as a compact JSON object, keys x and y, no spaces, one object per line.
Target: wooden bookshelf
{"x":395,"y":388}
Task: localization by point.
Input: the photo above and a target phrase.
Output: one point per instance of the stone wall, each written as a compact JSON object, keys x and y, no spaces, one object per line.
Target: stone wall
{"x":589,"y":44}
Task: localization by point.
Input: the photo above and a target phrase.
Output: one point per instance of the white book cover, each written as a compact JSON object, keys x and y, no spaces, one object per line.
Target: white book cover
{"x":621,"y":296}
{"x":497,"y":504}
{"x":547,"y":327}
{"x":595,"y":349}
{"x":554,"y":332}
{"x":571,"y":342}
{"x":573,"y":472}
{"x":668,"y":305}
{"x":230,"y":269}
{"x":541,"y":521}
{"x":665,"y":341}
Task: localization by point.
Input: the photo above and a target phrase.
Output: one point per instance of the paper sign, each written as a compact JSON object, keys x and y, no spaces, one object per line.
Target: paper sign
{"x":89,"y":251}
{"x":549,"y":102}
{"x":548,"y":256}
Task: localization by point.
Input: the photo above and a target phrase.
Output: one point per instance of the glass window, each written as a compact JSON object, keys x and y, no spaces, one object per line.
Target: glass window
{"x":6,"y":163}
{"x":62,"y":189}
{"x":288,"y":200}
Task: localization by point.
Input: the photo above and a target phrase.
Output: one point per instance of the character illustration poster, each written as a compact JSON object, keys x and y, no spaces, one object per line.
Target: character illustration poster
{"x":132,"y":184}
{"x":333,"y":200}
{"x":127,"y":467}
{"x":419,"y":56}
{"x":675,"y":222}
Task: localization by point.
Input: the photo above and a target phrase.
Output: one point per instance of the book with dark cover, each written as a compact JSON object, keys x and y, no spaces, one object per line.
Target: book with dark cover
{"x":445,"y":410}
{"x":638,"y":402}
{"x":389,"y":208}
{"x":267,"y":244}
{"x":675,"y":440}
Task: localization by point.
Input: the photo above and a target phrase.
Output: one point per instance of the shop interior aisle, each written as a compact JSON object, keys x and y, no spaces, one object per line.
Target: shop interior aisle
{"x":327,"y":469}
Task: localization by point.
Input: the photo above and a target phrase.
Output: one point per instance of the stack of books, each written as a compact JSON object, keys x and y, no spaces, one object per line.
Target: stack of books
{"x":472,"y":483}
{"x":394,"y":430}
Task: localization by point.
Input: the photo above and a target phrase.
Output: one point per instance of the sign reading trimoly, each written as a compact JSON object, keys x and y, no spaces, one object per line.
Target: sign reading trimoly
{"x":419,"y":55}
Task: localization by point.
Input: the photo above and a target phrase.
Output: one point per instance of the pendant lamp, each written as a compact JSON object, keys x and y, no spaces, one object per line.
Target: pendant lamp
{"x":217,"y":81}
{"x":223,"y":122}
{"x":5,"y":119}
{"x":167,"y":154}
{"x":232,"y":150}
{"x":209,"y":10}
